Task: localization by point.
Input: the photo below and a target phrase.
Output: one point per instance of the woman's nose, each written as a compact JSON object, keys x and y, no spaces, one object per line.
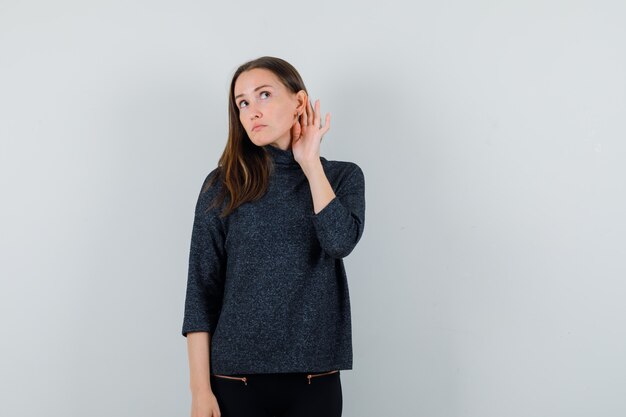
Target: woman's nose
{"x":253,"y":111}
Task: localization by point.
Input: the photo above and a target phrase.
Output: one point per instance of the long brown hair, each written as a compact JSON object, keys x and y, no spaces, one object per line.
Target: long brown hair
{"x":244,"y":168}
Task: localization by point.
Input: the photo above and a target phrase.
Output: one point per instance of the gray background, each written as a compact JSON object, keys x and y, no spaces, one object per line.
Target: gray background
{"x":490,"y":277}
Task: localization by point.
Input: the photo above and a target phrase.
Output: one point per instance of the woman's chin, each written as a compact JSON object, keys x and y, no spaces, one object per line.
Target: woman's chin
{"x":259,"y":142}
{"x":266,"y":140}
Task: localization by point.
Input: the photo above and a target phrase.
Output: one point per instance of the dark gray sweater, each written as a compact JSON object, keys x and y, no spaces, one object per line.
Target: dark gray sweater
{"x":268,"y":282}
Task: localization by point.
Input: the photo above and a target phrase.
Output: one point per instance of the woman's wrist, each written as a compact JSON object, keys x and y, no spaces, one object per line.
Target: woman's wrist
{"x":200,"y":389}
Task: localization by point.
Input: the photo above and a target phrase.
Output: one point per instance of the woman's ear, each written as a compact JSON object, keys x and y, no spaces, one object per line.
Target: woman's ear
{"x":302,"y":98}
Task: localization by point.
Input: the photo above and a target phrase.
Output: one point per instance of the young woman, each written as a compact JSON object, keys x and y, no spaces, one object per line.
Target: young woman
{"x":267,"y":311}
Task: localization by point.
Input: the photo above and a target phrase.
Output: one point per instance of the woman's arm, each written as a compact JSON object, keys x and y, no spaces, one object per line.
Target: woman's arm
{"x":203,"y":401}
{"x":207,"y":268}
{"x":321,"y":190}
{"x":339,"y":214}
{"x":199,"y":359}
{"x":338,"y":218}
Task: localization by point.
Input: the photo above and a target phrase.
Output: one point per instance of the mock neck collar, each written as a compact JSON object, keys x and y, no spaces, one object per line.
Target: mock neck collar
{"x":281,"y":157}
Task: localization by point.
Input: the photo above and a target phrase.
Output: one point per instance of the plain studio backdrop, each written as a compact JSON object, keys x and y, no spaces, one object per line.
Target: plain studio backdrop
{"x":490,"y":279}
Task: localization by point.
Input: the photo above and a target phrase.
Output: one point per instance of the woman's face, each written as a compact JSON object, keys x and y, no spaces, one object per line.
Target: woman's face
{"x":263,"y":100}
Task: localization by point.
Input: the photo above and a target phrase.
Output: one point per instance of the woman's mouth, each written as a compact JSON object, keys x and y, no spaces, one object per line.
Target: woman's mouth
{"x":254,"y":129}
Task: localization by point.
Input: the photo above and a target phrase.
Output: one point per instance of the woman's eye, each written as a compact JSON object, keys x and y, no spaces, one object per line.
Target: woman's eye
{"x":243,"y":101}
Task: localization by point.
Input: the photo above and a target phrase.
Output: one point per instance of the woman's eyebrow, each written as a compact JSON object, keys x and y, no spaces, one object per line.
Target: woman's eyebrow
{"x":258,"y":88}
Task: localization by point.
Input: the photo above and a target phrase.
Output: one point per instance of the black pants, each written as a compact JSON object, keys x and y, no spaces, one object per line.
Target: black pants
{"x":279,"y":395}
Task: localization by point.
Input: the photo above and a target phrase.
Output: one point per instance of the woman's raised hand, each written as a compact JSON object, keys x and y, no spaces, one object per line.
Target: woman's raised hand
{"x":307,"y":134}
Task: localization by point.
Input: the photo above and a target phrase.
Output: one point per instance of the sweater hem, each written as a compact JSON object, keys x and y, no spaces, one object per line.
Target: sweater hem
{"x":245,"y":369}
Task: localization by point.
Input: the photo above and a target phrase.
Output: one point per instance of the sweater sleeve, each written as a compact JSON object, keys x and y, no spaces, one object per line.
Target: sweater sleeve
{"x":207,"y":260}
{"x":339,"y":225}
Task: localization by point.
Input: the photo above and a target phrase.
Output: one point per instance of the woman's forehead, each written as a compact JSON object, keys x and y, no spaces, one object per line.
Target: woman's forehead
{"x":254,"y":78}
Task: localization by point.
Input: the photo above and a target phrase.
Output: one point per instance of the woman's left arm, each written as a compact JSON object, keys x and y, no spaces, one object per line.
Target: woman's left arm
{"x":339,"y":218}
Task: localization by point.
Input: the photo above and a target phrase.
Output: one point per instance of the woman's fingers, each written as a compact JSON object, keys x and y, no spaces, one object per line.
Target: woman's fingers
{"x":317,"y":119}
{"x":312,"y":116}
{"x":310,"y":113}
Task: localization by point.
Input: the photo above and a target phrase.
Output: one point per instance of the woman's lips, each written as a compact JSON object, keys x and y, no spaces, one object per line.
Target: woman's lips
{"x":258,"y":127}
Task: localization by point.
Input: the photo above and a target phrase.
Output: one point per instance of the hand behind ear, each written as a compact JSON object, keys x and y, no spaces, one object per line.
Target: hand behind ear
{"x":296,"y":131}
